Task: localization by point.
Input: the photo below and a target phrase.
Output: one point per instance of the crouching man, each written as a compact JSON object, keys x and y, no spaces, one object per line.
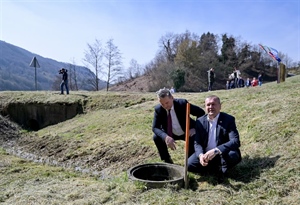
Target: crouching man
{"x":216,"y":143}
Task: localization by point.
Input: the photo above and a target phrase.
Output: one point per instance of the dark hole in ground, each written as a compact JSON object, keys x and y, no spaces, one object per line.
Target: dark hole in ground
{"x":33,"y":125}
{"x":157,"y":174}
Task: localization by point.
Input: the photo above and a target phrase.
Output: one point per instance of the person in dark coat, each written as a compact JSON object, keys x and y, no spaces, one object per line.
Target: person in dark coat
{"x":217,"y":141}
{"x":241,"y":82}
{"x":169,"y":123}
{"x":64,"y":81}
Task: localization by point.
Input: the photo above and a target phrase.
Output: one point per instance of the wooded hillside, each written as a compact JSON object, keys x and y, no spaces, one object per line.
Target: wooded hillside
{"x":182,"y":62}
{"x":184,"y":59}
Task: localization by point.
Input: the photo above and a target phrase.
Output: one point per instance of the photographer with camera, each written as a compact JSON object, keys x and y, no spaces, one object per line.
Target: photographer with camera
{"x":64,"y":81}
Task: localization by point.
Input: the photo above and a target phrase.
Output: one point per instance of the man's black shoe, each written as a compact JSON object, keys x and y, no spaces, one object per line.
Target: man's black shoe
{"x":170,"y":161}
{"x":221,"y":177}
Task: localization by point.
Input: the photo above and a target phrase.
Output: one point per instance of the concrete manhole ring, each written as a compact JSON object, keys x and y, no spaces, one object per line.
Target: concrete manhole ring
{"x":157,"y":175}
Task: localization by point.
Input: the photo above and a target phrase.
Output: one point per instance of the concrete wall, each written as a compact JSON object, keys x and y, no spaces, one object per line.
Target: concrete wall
{"x":36,"y":116}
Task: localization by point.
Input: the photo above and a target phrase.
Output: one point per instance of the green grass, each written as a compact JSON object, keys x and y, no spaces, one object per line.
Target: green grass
{"x":115,"y":134}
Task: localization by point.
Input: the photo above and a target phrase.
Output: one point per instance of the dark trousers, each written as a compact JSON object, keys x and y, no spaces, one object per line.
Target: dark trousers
{"x":64,"y":83}
{"x":220,"y":162}
{"x":236,"y":82}
{"x":163,"y":149}
{"x":210,"y":84}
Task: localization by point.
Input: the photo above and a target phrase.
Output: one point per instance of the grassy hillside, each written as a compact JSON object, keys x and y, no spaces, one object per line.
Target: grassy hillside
{"x":115,"y":134}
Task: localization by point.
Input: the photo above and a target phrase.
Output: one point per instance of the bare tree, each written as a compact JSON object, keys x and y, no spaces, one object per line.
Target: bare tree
{"x":93,"y":57}
{"x":286,"y":60}
{"x":113,"y":62}
{"x":134,"y":70}
{"x":168,"y":44}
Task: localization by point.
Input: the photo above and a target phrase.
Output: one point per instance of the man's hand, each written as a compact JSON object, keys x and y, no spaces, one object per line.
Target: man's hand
{"x":209,"y":155}
{"x":170,"y":143}
{"x":203,"y":160}
{"x":192,"y":132}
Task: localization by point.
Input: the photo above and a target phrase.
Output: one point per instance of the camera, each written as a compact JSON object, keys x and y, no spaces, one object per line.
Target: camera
{"x":61,"y":71}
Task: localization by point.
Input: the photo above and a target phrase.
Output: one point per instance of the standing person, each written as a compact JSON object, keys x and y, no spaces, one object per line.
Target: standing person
{"x":231,"y":80}
{"x":217,"y":141}
{"x":260,"y":79}
{"x":64,"y":81}
{"x":211,"y":78}
{"x":169,"y":123}
{"x":237,"y":74}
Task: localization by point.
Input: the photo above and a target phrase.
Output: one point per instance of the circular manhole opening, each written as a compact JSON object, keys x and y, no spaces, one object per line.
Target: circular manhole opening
{"x":157,"y":175}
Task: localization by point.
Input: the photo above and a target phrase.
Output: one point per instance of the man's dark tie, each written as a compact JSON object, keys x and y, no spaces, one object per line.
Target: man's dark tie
{"x":170,"y":132}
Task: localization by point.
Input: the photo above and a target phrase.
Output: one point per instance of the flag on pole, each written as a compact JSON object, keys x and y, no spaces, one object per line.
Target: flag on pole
{"x":272,"y":52}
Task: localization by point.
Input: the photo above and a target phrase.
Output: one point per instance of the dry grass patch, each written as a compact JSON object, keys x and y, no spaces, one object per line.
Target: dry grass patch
{"x":115,"y":134}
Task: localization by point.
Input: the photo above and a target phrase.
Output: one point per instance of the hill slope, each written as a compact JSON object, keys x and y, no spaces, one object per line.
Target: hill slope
{"x":115,"y":134}
{"x":16,"y":74}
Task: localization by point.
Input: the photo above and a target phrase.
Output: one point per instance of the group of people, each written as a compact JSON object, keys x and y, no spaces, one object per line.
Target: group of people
{"x":236,"y":80}
{"x":214,"y":138}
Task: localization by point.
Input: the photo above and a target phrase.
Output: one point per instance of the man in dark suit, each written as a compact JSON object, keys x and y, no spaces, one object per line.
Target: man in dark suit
{"x":169,"y":123}
{"x":217,"y":141}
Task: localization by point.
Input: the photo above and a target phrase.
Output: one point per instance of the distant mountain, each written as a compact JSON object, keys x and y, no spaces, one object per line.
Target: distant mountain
{"x":16,"y":74}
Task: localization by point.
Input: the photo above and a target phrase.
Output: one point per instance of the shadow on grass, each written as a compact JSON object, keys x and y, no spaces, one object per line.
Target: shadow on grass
{"x":246,"y":171}
{"x":250,"y":168}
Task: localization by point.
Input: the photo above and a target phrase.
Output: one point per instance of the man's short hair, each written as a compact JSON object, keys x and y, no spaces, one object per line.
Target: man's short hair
{"x":164,"y":92}
{"x":215,"y":97}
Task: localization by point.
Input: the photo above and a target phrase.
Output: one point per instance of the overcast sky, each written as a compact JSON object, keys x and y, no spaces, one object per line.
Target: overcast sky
{"x":61,"y":29}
